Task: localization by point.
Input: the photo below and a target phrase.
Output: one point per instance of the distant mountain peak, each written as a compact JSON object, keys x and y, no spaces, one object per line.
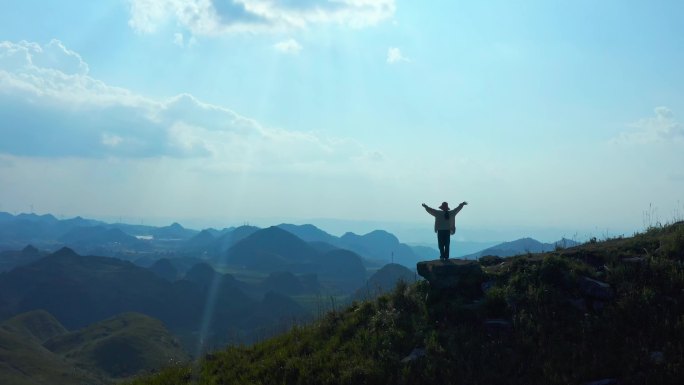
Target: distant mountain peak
{"x":29,"y":250}
{"x":65,"y":252}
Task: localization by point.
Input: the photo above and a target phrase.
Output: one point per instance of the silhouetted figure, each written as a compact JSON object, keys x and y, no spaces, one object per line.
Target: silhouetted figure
{"x":445,"y":225}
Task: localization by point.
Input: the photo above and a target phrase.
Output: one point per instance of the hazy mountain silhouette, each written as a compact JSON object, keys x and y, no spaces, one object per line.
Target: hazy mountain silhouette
{"x":87,"y":238}
{"x":40,"y":230}
{"x":216,"y":233}
{"x":80,"y":290}
{"x":309,"y":233}
{"x":201,"y":242}
{"x":231,"y":237}
{"x":201,"y":274}
{"x":174,"y":231}
{"x":342,"y":268}
{"x":163,"y":268}
{"x":79,"y":222}
{"x":204,"y":276}
{"x":271,"y":249}
{"x":5,"y":217}
{"x":181,"y":263}
{"x":10,"y":259}
{"x":323,"y":247}
{"x":521,"y":246}
{"x":378,"y":245}
{"x":425,"y":252}
{"x":121,"y":240}
{"x":45,"y":218}
{"x":275,"y":250}
{"x":384,"y":280}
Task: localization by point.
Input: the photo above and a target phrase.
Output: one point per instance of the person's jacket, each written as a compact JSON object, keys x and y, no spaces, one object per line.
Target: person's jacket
{"x":442,"y":223}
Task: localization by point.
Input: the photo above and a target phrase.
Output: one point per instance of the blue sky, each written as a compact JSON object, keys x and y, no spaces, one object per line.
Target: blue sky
{"x":549,"y":117}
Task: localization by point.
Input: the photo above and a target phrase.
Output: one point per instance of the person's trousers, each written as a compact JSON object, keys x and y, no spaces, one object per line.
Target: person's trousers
{"x":443,"y":239}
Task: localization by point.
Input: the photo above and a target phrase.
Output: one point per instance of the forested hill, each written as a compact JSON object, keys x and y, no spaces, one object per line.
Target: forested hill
{"x":604,"y":312}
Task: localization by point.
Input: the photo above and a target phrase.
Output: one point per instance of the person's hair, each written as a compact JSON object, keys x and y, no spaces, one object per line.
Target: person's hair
{"x":446,"y":214}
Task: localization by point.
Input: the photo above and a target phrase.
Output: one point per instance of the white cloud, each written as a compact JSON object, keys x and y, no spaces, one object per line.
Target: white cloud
{"x":290,"y":46}
{"x":394,"y":55}
{"x":49,"y":113}
{"x":54,"y":56}
{"x":181,"y":41}
{"x":111,"y":140}
{"x":215,"y":17}
{"x":663,"y":127}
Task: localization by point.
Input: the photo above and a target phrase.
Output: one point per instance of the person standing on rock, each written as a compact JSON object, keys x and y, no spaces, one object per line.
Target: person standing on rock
{"x":445,"y":225}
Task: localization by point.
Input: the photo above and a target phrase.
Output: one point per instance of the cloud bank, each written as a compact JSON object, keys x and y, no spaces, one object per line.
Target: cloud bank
{"x":51,"y":107}
{"x":663,"y":127}
{"x":216,"y":17}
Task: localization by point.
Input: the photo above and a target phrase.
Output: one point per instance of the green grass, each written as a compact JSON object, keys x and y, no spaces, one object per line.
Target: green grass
{"x":24,"y":361}
{"x":550,"y":341}
{"x":319,"y":304}
{"x":120,"y":346}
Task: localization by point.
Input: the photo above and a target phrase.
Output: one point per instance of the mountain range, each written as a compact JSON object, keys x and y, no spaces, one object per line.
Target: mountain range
{"x":149,"y":243}
{"x":80,"y":290}
{"x":205,"y":289}
{"x":522,"y":246}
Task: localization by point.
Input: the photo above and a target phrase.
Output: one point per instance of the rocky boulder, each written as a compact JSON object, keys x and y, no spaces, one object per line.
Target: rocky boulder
{"x":596,"y":290}
{"x":498,"y":326}
{"x":414,"y":355}
{"x":452,"y":273}
{"x":605,"y":381}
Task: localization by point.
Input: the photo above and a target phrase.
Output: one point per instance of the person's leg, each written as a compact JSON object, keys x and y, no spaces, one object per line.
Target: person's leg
{"x":447,"y":241}
{"x":440,"y":245}
{"x":442,"y":241}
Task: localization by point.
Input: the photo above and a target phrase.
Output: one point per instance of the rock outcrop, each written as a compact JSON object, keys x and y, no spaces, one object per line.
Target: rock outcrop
{"x":596,"y":290}
{"x":452,"y":273}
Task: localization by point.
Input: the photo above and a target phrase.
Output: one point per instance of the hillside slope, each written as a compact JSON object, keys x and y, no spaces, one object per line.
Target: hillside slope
{"x":120,"y":346}
{"x":607,"y":310}
{"x":36,"y":349}
{"x":23,"y":359}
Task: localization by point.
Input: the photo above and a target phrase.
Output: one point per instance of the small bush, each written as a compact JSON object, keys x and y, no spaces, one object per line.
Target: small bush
{"x":495,"y":305}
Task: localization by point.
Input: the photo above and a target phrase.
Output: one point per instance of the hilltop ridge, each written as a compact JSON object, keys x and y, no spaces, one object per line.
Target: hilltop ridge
{"x":604,"y":311}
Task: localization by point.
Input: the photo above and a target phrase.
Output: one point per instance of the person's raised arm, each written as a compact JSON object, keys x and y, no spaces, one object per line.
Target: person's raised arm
{"x":460,"y":207}
{"x":430,"y":210}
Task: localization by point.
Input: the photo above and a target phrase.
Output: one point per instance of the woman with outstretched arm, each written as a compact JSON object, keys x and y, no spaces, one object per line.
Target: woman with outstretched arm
{"x":445,"y":225}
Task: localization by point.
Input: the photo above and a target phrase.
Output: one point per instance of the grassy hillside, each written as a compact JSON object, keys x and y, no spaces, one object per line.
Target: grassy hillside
{"x":23,"y":359}
{"x":37,"y":326}
{"x":603,"y":310}
{"x":120,"y":347}
{"x":36,"y":349}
